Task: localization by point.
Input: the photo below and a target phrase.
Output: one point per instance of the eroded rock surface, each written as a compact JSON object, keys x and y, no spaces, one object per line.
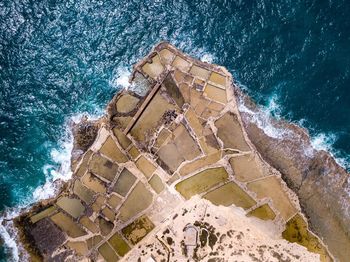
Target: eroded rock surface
{"x":320,"y":183}
{"x":175,"y":134}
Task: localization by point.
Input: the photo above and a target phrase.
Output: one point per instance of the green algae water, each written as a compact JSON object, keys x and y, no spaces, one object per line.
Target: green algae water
{"x":60,"y":60}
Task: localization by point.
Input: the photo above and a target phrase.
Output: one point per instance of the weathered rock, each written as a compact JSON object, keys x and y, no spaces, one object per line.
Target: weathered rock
{"x":47,"y":236}
{"x":320,"y":183}
{"x":84,"y":134}
{"x":177,"y":133}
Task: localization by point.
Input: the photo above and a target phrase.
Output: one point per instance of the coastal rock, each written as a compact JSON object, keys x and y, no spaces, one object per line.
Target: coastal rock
{"x":84,"y":134}
{"x":320,"y":183}
{"x":171,"y":155}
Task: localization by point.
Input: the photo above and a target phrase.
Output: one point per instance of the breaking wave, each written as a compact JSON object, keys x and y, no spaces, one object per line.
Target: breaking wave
{"x":265,"y":118}
{"x":54,"y":176}
{"x":62,"y":157}
{"x":8,"y":233}
{"x":121,"y":78}
{"x":325,"y":142}
{"x":208,"y":58}
{"x":60,"y":56}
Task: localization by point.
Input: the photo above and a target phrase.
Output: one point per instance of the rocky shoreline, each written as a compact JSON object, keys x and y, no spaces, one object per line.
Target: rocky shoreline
{"x":176,"y":133}
{"x":321,"y":184}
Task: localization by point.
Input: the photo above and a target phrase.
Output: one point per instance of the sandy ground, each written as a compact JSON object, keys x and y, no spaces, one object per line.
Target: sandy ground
{"x":231,"y":237}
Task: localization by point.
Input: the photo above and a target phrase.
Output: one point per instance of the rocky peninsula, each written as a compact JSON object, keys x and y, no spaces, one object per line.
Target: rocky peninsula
{"x":176,"y":172}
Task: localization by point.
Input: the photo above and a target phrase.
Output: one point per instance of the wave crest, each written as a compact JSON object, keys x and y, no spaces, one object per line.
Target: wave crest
{"x":266,"y":118}
{"x":54,"y":177}
{"x":121,"y":78}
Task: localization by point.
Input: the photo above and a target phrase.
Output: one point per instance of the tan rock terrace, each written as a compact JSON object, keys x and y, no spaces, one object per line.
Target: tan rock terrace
{"x":174,"y":134}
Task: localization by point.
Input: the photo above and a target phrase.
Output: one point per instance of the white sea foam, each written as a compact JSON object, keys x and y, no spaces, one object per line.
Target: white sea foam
{"x":263,"y":118}
{"x":273,"y":107}
{"x":61,"y":156}
{"x":325,"y":142}
{"x":121,"y":78}
{"x":208,"y":58}
{"x":8,"y":233}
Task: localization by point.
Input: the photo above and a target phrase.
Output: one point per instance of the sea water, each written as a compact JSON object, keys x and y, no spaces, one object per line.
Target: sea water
{"x":62,"y":59}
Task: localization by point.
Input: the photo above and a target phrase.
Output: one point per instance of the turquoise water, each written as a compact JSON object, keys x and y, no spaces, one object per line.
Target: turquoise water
{"x":59,"y":59}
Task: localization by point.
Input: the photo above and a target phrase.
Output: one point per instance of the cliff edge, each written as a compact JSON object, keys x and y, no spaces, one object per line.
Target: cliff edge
{"x":172,"y":172}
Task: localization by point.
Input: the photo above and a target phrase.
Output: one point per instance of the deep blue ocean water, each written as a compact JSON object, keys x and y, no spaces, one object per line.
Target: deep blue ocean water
{"x":59,"y":59}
